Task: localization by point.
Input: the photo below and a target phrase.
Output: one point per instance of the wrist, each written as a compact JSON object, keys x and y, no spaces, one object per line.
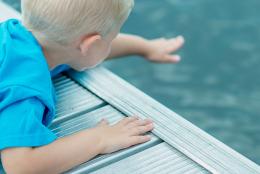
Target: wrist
{"x":144,"y":47}
{"x":100,"y":143}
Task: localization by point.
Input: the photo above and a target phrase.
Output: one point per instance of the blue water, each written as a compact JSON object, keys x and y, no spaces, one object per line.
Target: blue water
{"x":216,"y":86}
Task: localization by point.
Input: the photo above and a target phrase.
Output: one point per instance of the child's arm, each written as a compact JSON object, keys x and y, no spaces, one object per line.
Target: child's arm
{"x":70,"y":151}
{"x":157,"y":50}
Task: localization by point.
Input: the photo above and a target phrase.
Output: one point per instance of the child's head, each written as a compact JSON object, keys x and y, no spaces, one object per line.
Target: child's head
{"x":88,"y":23}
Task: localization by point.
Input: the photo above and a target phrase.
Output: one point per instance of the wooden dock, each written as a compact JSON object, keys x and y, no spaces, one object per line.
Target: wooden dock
{"x":177,"y":146}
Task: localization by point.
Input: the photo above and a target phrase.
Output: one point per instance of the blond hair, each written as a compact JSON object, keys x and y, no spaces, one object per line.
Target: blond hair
{"x":63,"y":21}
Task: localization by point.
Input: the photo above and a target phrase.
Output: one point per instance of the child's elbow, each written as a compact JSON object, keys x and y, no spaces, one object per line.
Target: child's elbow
{"x":17,"y":161}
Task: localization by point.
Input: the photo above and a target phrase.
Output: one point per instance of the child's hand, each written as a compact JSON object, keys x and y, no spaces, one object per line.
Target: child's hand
{"x":159,"y":50}
{"x":125,"y":133}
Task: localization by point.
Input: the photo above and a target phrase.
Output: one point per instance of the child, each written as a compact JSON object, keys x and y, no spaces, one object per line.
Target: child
{"x":55,"y":35}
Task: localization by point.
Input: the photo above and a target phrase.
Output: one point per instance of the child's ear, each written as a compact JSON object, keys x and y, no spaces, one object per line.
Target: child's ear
{"x":87,"y":42}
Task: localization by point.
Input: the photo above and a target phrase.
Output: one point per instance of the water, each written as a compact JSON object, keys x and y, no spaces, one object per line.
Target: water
{"x":216,"y":86}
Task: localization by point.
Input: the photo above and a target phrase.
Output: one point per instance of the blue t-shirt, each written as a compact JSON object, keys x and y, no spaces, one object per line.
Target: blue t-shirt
{"x":27,"y":95}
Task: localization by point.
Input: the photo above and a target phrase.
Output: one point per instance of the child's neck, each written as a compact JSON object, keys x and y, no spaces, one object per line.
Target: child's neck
{"x":54,"y":53}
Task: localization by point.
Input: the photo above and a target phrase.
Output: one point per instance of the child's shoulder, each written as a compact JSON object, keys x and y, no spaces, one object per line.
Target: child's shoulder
{"x":24,"y":72}
{"x":22,"y":59}
{"x":15,"y":40}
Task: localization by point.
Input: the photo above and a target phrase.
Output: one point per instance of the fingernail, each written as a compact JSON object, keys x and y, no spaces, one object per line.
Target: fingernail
{"x":181,"y":38}
{"x":150,"y":121}
{"x":177,"y":58}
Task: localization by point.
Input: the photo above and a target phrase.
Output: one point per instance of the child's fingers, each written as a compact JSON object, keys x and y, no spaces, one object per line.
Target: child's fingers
{"x":103,"y":122}
{"x":141,"y":129}
{"x":175,"y":44}
{"x":139,"y":123}
{"x":139,"y":139}
{"x":128,"y":120}
{"x":171,"y":58}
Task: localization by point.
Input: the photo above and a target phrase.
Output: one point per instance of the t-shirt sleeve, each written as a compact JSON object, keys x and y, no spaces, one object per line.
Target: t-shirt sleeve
{"x":21,"y":125}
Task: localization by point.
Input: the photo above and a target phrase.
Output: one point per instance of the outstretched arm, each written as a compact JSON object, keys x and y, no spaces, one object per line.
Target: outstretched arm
{"x":157,"y":50}
{"x":70,"y":151}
